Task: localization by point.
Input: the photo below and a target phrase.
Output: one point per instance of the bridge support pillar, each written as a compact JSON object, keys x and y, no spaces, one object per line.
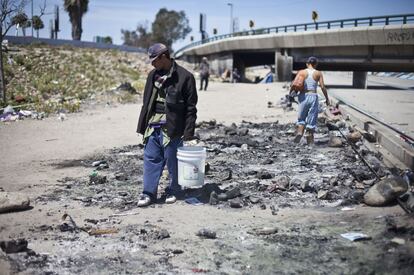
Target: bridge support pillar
{"x":220,"y":63}
{"x":283,"y":67}
{"x":359,"y":80}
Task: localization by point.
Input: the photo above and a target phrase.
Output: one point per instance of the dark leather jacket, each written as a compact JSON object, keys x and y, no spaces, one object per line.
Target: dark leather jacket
{"x":180,"y":105}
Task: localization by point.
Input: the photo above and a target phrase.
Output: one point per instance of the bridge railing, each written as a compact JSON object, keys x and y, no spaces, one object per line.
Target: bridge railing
{"x":333,"y":24}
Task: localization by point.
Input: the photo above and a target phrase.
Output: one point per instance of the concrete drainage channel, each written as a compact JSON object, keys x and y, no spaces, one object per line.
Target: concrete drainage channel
{"x":398,"y":145}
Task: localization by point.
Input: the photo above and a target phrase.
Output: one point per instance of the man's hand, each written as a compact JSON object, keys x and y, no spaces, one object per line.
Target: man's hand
{"x":190,"y":140}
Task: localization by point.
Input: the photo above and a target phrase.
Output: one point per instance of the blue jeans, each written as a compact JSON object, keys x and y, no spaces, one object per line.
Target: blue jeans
{"x":308,"y":109}
{"x":155,"y":158}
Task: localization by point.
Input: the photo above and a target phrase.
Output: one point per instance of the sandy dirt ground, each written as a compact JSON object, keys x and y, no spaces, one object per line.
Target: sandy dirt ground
{"x":33,"y":157}
{"x":32,"y":147}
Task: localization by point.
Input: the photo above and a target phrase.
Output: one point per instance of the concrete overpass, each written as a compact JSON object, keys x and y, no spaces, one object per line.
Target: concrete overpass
{"x":361,"y":44}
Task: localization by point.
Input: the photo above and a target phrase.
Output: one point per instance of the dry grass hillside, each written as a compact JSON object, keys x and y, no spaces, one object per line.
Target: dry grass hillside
{"x":54,"y":79}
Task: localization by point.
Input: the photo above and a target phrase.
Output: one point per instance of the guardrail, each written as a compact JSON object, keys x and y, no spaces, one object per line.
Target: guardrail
{"x":333,"y":24}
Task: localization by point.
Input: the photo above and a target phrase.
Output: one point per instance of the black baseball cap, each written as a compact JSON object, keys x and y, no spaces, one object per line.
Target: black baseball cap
{"x":156,"y":50}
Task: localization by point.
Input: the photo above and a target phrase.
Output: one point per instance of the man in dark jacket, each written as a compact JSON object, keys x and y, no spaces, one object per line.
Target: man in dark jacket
{"x":204,"y":73}
{"x":167,"y":117}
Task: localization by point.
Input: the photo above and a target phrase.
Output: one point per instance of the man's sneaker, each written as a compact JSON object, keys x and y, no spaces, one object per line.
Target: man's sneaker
{"x":144,"y":200}
{"x":170,"y":199}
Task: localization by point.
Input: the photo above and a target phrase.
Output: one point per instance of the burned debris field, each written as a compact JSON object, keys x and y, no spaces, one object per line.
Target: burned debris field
{"x":268,"y":206}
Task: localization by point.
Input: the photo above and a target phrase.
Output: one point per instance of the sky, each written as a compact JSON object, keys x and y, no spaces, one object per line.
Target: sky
{"x":108,"y":17}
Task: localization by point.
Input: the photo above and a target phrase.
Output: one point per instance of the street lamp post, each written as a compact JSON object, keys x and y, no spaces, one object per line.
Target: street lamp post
{"x":32,"y":18}
{"x":231,"y":17}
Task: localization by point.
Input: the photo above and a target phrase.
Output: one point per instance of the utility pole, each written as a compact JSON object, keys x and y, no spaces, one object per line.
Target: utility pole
{"x":56,"y":21}
{"x":231,"y":17}
{"x":31,"y":20}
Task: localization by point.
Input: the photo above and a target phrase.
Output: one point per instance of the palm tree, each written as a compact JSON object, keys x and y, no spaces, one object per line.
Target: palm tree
{"x":76,"y":9}
{"x":37,"y":24}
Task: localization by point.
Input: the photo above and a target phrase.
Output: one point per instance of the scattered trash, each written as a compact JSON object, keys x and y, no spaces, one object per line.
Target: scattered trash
{"x":97,"y":163}
{"x":100,"y":164}
{"x":214,"y":200}
{"x":94,"y":178}
{"x":335,"y":111}
{"x":236,"y":203}
{"x":323,"y":194}
{"x":254,"y":199}
{"x":406,"y":201}
{"x":61,"y":116}
{"x":8,"y":110}
{"x":335,"y":141}
{"x":193,"y":201}
{"x":228,"y":174}
{"x":230,"y":194}
{"x":14,"y":246}
{"x":97,"y":231}
{"x":356,"y":236}
{"x":69,"y":226}
{"x":398,"y":241}
{"x":126,"y":86}
{"x":263,"y":231}
{"x":206,"y":233}
{"x":347,"y":208}
{"x":354,"y":137}
{"x":264,"y":175}
{"x":199,"y":270}
{"x":124,"y":214}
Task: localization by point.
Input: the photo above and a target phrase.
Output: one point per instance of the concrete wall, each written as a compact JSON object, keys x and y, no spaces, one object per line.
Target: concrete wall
{"x":283,"y":66}
{"x":26,"y":40}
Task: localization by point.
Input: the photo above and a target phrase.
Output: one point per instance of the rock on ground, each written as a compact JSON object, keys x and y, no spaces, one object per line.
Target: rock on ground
{"x":11,"y":201}
{"x":385,"y":191}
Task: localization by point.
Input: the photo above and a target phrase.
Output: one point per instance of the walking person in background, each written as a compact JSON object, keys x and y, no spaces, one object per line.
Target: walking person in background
{"x":236,"y":76}
{"x":308,"y":100}
{"x":204,"y":73}
{"x":167,"y":118}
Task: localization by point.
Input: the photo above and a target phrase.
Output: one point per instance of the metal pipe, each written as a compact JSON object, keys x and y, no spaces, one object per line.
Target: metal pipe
{"x":358,"y":153}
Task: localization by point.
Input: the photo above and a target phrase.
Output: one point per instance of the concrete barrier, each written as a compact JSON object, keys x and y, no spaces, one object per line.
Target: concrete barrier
{"x":408,"y":29}
{"x":360,"y":36}
{"x":388,"y":139}
{"x":27,"y":40}
{"x":357,"y":36}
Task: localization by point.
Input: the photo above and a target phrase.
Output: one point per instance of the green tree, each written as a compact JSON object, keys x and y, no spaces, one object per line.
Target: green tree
{"x":140,"y":37}
{"x":170,"y":26}
{"x":22,"y":21}
{"x":107,"y":40}
{"x":76,"y":9}
{"x":25,"y":25}
{"x":8,"y":11}
{"x":129,"y":37}
{"x":37,"y":24}
{"x":20,"y":18}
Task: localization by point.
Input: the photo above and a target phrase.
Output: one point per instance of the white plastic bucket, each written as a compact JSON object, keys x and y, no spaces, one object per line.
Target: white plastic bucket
{"x":191,"y":165}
